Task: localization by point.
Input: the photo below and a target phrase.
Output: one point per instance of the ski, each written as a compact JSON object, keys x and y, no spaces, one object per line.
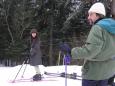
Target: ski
{"x":30,"y":80}
{"x":46,"y":78}
{"x":63,"y":74}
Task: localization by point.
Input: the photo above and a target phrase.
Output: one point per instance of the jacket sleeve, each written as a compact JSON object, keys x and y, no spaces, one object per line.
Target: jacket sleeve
{"x":92,"y":47}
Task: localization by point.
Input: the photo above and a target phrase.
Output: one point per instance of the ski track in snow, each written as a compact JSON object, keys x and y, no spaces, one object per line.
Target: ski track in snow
{"x":7,"y":75}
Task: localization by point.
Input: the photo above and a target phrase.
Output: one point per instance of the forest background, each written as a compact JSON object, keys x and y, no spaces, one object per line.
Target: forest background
{"x":56,"y":21}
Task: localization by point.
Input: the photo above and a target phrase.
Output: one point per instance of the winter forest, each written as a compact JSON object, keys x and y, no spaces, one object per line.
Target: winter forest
{"x":56,"y":21}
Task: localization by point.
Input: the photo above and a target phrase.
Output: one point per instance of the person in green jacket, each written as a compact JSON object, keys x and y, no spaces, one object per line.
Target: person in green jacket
{"x":99,"y":51}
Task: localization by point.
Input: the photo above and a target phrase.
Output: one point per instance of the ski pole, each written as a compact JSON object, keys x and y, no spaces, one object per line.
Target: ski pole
{"x":65,"y":70}
{"x":19,"y":71}
{"x":66,"y":62}
{"x":25,"y":68}
{"x":58,"y":62}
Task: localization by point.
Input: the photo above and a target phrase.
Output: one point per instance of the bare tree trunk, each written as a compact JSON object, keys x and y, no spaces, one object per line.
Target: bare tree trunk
{"x":51,"y":41}
{"x":6,"y":12}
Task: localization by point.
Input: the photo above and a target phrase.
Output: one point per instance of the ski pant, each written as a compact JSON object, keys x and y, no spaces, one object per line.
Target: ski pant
{"x":37,"y":69}
{"x":86,"y":82}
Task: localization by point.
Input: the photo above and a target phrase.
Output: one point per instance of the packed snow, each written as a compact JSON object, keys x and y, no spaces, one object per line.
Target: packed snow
{"x":8,"y":76}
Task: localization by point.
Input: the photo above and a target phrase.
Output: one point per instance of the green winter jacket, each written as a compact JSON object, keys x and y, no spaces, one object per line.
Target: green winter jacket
{"x":98,"y":52}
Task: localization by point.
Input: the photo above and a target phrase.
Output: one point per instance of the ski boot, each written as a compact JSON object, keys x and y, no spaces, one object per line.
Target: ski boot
{"x":37,"y":77}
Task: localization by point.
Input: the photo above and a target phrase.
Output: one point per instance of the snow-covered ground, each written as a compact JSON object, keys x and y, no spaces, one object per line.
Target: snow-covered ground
{"x":7,"y":75}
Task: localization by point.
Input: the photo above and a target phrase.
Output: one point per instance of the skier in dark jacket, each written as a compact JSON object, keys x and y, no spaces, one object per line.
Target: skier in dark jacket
{"x":35,"y":52}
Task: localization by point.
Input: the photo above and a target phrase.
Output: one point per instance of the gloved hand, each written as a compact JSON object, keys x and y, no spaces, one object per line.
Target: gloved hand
{"x":26,"y":56}
{"x":67,"y":59}
{"x":65,"y":48}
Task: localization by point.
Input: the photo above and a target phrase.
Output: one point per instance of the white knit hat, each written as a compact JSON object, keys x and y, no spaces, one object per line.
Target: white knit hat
{"x":98,"y":8}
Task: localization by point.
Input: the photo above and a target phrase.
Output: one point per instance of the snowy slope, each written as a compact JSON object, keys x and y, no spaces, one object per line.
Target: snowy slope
{"x":7,"y":75}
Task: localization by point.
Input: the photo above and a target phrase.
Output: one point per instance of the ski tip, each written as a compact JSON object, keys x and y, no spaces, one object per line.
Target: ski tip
{"x":11,"y":81}
{"x":22,"y":76}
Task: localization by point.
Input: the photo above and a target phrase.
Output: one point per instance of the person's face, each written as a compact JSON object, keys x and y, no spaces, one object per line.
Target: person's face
{"x":34,"y":35}
{"x":92,"y":17}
